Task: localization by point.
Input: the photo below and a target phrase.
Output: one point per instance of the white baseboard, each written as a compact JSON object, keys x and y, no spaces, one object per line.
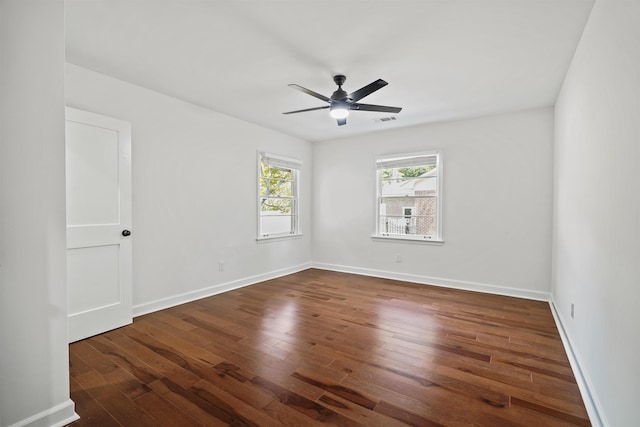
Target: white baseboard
{"x":591,"y":402}
{"x":150,"y":307}
{"x":57,"y":416}
{"x":438,"y":281}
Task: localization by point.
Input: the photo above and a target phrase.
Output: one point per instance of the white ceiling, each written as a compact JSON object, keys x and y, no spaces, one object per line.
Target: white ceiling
{"x":444,"y":60}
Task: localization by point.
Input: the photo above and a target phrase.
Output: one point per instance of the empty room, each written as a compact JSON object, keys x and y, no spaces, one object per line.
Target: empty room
{"x":291,"y":213}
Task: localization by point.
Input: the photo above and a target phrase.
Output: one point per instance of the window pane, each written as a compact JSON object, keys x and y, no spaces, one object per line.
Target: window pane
{"x":408,"y":215}
{"x":273,"y":206}
{"x":416,"y":181}
{"x":277,"y":173}
{"x":276,"y":187}
{"x":276,"y":224}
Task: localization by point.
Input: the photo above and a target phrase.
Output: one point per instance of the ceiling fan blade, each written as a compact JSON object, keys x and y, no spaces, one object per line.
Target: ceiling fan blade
{"x":367,"y":90}
{"x":342,"y":121}
{"x":307,"y":109}
{"x":380,"y":108}
{"x":310,"y":92}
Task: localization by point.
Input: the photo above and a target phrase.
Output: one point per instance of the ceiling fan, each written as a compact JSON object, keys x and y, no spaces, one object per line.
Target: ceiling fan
{"x":341,"y":102}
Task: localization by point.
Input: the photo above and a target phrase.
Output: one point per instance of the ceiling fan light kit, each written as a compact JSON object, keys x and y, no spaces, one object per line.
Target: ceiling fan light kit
{"x":338,"y":111}
{"x":341,"y":102}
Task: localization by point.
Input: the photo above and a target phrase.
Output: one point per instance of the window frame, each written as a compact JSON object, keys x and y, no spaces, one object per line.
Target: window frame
{"x":280,"y":162}
{"x":378,"y":234}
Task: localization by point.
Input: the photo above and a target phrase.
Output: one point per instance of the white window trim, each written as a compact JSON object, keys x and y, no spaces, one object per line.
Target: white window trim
{"x":280,"y":161}
{"x":437,"y":239}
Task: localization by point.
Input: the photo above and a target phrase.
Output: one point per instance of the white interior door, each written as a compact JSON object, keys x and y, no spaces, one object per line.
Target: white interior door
{"x":99,"y":274}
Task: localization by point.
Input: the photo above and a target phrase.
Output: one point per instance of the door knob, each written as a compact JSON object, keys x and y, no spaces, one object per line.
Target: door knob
{"x":126,"y":233}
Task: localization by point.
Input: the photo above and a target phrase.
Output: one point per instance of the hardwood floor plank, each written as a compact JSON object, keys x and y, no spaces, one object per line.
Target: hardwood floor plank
{"x":237,"y":411}
{"x":329,"y":348}
{"x":197,"y":408}
{"x":358,"y":413}
{"x":332,"y":387}
{"x":437,"y":405}
{"x":227,"y":378}
{"x":577,"y":420}
{"x":286,"y":416}
{"x":90,"y":411}
{"x":118,"y":405}
{"x":164,"y":412}
{"x":117,"y":377}
{"x":133,"y":365}
{"x":157,"y":362}
{"x":405,"y":416}
{"x":170,"y":340}
{"x":77,"y":366}
{"x":291,"y":399}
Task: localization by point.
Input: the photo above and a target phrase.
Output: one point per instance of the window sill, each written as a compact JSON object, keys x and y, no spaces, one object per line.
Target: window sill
{"x":397,"y":239}
{"x":278,"y":237}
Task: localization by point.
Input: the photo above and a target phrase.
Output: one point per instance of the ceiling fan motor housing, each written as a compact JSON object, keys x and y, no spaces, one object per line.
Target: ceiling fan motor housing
{"x":339,"y":95}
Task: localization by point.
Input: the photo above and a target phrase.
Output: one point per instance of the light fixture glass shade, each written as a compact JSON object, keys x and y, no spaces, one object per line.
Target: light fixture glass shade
{"x":339,"y":112}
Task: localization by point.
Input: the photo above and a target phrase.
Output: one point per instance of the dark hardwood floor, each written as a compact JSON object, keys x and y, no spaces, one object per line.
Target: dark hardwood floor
{"x":327,"y":348}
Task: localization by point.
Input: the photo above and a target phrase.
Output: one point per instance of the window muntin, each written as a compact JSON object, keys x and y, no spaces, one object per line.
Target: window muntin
{"x":277,"y":196}
{"x":408,"y":196}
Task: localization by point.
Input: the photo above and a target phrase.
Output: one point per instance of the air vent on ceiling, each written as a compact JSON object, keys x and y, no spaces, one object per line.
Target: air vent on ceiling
{"x":385,"y":119}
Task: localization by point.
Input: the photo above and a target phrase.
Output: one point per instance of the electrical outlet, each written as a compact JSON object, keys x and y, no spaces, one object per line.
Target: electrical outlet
{"x":398,"y":258}
{"x":220,"y":265}
{"x":572,"y":310}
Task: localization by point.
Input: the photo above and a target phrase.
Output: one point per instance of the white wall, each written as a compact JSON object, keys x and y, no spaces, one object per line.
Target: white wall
{"x":34,"y":370}
{"x":194,"y":192}
{"x":497,"y":204}
{"x":597,"y":208}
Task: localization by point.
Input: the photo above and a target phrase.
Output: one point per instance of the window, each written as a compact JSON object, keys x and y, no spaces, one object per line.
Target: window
{"x":409,"y":196}
{"x":277,"y":196}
